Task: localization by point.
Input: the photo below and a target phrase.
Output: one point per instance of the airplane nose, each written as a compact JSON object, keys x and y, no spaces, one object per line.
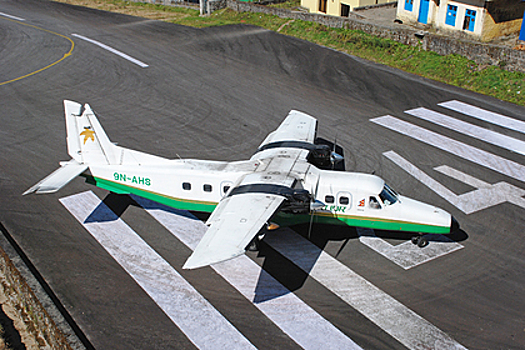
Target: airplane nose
{"x":454,"y":225}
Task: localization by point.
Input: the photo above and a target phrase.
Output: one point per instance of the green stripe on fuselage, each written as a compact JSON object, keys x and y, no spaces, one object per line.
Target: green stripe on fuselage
{"x":283,"y":219}
{"x":173,"y":202}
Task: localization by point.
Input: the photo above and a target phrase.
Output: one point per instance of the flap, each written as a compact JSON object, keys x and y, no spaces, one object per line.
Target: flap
{"x":236,"y":221}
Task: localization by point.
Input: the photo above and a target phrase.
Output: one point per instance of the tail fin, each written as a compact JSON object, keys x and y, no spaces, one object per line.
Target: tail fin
{"x":87,"y":143}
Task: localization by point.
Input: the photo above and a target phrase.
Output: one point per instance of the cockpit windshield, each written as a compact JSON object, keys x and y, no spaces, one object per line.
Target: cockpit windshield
{"x":388,"y":195}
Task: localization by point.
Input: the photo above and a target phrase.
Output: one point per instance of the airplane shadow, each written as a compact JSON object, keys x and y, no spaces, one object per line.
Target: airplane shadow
{"x":293,"y":277}
{"x":117,"y":204}
{"x":274,"y":266}
{"x":286,"y":272}
{"x":456,"y":236}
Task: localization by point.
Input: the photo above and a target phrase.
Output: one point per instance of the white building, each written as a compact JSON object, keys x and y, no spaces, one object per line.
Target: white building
{"x":481,"y":19}
{"x":337,"y":7}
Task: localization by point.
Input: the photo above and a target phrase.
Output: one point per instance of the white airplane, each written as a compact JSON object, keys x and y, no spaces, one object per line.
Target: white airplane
{"x":285,"y":178}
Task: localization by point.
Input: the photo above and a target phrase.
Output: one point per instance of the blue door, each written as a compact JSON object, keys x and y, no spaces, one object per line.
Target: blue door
{"x":450,"y":19}
{"x":470,"y":20}
{"x":423,"y":11}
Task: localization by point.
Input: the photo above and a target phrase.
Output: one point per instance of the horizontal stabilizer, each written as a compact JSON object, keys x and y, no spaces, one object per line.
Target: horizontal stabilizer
{"x":59,"y":178}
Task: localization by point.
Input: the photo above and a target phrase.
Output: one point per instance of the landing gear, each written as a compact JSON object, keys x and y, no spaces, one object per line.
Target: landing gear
{"x":253,"y":246}
{"x":255,"y":243}
{"x":420,"y":241}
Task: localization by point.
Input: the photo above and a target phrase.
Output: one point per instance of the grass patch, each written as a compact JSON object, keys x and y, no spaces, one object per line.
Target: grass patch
{"x":451,"y":69}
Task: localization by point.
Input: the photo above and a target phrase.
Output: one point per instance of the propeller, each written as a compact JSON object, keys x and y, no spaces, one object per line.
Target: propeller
{"x":334,"y":157}
{"x":314,"y":206}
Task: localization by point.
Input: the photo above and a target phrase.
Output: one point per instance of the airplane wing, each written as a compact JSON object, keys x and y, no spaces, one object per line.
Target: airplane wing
{"x":297,"y":126}
{"x":259,"y":195}
{"x":239,"y":218}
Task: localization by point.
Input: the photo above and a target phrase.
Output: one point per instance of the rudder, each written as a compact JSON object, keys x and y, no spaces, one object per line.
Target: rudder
{"x":87,"y":141}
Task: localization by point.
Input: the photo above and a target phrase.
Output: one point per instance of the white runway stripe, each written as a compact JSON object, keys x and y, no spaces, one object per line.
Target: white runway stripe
{"x":194,"y":315}
{"x":485,"y":115}
{"x":475,"y":131}
{"x":473,"y":154}
{"x":112,"y":50}
{"x":390,"y":315}
{"x":299,"y":321}
{"x":408,"y":255}
{"x":12,"y":17}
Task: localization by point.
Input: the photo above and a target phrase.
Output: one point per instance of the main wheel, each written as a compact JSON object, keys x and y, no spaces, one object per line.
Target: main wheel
{"x":422,"y":242}
{"x":254,"y":245}
{"x":415,"y":239}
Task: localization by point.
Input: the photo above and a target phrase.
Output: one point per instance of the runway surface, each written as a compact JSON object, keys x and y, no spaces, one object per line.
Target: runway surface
{"x":115,"y":262}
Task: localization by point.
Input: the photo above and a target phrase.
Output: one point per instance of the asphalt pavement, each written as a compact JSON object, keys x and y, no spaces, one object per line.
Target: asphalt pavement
{"x":216,"y":93}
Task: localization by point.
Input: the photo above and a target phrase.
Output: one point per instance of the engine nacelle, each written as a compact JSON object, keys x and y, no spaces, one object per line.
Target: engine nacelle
{"x":320,"y":156}
{"x":297,"y":202}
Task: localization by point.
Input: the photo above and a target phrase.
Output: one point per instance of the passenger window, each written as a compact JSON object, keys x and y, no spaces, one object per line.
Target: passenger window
{"x":329,"y":199}
{"x":186,"y":186}
{"x":225,"y":189}
{"x":344,"y":200}
{"x":207,"y":188}
{"x":374,"y":203}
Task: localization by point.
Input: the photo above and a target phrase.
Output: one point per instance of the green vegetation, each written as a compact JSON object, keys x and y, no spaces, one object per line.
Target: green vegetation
{"x":452,"y":69}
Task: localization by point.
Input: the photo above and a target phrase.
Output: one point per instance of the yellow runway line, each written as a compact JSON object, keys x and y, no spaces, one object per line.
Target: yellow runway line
{"x":67,"y":54}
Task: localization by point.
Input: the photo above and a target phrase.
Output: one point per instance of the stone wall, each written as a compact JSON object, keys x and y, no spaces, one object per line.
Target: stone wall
{"x":214,"y":5}
{"x":37,"y":330}
{"x":481,"y":53}
{"x":390,"y":4}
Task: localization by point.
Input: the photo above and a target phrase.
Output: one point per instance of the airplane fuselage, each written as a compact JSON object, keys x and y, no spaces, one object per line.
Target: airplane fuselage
{"x":355,"y":199}
{"x":283,"y":179}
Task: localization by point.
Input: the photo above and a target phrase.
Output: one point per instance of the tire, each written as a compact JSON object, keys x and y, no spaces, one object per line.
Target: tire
{"x":422,"y":242}
{"x":254,"y":245}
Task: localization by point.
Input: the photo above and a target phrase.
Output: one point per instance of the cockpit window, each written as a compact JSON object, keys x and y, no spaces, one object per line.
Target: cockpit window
{"x":388,"y":195}
{"x":374,"y":203}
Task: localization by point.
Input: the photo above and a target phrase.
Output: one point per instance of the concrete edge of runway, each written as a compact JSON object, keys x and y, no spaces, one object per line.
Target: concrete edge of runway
{"x":74,"y":336}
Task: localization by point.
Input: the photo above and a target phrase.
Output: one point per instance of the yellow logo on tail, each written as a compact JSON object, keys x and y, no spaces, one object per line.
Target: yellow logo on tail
{"x":88,"y":134}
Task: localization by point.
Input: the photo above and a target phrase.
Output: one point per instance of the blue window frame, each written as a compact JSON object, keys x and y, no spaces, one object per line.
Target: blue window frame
{"x":470,"y":20}
{"x":450,"y":19}
{"x":409,"y":5}
{"x":522,"y":32}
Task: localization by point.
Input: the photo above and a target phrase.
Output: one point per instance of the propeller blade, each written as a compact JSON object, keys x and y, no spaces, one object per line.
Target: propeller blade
{"x":315,"y":204}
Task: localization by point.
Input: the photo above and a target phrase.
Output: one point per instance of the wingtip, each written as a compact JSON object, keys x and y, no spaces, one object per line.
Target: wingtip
{"x":29,"y":191}
{"x":196,"y":261}
{"x":39,"y":189}
{"x":187,"y":266}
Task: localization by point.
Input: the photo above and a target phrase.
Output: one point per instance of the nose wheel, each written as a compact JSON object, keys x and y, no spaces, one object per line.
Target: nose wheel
{"x":420,"y":241}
